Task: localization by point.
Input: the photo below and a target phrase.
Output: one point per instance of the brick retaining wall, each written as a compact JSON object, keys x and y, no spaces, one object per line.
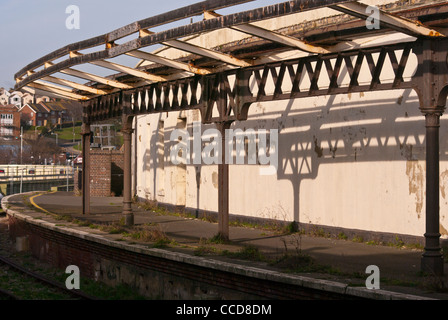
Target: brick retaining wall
{"x":154,"y":275}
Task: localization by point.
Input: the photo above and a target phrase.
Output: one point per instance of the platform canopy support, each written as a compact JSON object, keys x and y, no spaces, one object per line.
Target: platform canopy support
{"x":86,"y":134}
{"x":431,"y":85}
{"x":127,"y":131}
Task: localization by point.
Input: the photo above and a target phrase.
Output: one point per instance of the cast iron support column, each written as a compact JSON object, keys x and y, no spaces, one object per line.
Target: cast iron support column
{"x":86,"y":168}
{"x":223,"y":185}
{"x":127,"y":178}
{"x":430,"y":82}
{"x":432,"y":260}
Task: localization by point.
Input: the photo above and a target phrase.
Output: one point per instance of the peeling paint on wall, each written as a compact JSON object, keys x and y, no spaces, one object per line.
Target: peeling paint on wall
{"x":415,"y":173}
{"x":444,"y":184}
{"x":215,"y":179}
{"x":442,"y":229}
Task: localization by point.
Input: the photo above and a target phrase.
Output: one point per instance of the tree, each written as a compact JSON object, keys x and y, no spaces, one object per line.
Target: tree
{"x":40,"y":149}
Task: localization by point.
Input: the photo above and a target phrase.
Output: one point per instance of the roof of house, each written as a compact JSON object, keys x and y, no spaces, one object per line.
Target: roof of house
{"x":54,"y":106}
{"x":62,"y":105}
{"x":36,"y":107}
{"x":8,"y":108}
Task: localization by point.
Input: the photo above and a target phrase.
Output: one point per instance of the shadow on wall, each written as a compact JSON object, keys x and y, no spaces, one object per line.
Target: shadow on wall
{"x":380,"y":127}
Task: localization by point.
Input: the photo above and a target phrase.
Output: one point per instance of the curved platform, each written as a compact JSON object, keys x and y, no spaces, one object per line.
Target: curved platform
{"x":177,"y":271}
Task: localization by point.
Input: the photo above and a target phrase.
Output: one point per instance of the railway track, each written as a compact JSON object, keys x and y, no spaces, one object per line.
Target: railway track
{"x":17,"y":282}
{"x":47,"y":282}
{"x":7,"y":294}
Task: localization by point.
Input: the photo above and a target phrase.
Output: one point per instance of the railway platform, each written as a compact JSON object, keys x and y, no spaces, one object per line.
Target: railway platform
{"x":337,"y":264}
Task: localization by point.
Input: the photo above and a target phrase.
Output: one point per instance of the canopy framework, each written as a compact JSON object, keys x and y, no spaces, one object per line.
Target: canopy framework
{"x":205,"y":84}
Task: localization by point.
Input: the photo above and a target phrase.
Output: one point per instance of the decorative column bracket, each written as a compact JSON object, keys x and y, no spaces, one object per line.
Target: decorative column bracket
{"x":230,"y":104}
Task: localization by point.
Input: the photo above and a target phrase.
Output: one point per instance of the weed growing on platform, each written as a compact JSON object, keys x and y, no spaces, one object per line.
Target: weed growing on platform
{"x":342,"y":236}
{"x":204,"y":250}
{"x":64,"y":218}
{"x":249,"y":252}
{"x":153,"y":234}
{"x":112,"y":229}
{"x":218,"y":239}
{"x":434,"y":283}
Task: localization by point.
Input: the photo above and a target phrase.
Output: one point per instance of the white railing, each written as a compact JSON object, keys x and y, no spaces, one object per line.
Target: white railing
{"x":17,"y":175}
{"x":34,"y":172}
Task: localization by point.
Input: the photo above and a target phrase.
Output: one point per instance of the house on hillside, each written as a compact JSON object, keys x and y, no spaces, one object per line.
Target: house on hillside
{"x":9,"y":122}
{"x":40,"y":99}
{"x":27,"y":98}
{"x":59,"y":111}
{"x":4,"y":96}
{"x":19,"y":98}
{"x":49,"y":113}
{"x":16,"y":99}
{"x":34,"y":114}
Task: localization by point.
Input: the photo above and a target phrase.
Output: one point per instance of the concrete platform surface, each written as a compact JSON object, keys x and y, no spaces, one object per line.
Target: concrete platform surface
{"x":344,"y":261}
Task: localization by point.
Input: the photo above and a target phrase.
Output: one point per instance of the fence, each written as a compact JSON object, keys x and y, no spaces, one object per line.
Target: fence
{"x":23,"y":178}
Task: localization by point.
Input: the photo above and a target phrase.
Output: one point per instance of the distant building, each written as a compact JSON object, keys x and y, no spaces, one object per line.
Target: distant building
{"x":42,"y":99}
{"x":58,"y":112}
{"x":4,"y":97}
{"x":48,"y":113}
{"x":28,"y":98}
{"x":19,"y":98}
{"x":34,"y":114}
{"x":16,"y":99}
{"x":9,"y":122}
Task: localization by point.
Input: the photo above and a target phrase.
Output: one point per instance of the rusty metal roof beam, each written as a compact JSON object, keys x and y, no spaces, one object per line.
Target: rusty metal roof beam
{"x":226,"y":58}
{"x":121,"y":68}
{"x":90,"y":77}
{"x":394,"y":22}
{"x":196,"y":9}
{"x":170,"y":36}
{"x":57,"y":90}
{"x":75,"y":85}
{"x":167,"y":62}
{"x":191,"y":48}
{"x":272,"y":36}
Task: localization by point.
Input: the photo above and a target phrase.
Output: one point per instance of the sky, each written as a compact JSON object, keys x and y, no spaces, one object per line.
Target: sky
{"x":31,"y":29}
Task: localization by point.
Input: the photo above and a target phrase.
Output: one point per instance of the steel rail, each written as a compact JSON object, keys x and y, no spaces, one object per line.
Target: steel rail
{"x":8,"y":294}
{"x":45,"y":280}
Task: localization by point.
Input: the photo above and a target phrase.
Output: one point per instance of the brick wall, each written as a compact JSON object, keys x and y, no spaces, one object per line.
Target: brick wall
{"x":106,"y":173}
{"x":152,"y":275}
{"x":10,"y":128}
{"x":100,"y":173}
{"x":26,"y":115}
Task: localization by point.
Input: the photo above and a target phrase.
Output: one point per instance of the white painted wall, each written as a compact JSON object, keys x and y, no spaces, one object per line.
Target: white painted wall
{"x":353,"y":161}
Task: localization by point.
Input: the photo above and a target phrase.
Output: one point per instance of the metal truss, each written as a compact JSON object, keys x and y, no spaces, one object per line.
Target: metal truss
{"x":230,"y":93}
